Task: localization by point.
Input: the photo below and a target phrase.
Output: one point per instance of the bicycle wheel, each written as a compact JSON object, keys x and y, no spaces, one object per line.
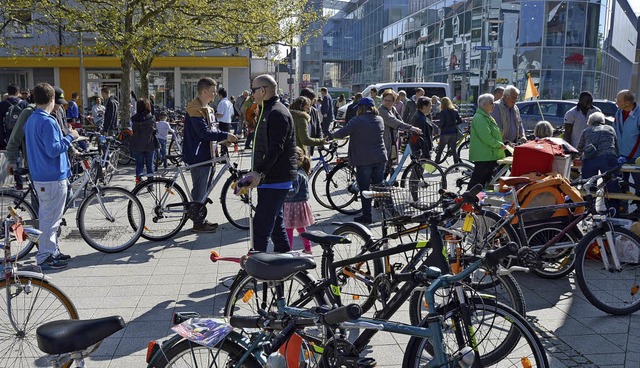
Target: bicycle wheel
{"x":237,"y":208}
{"x":31,"y":307}
{"x":498,"y":334}
{"x":464,"y":146}
{"x":504,"y":289}
{"x":111,"y":167}
{"x":424,"y":178}
{"x":342,"y":189}
{"x":559,"y":260}
{"x":29,"y":219}
{"x":355,"y":280}
{"x":457,"y":177}
{"x":111,"y":220}
{"x":189,"y":354}
{"x":610,"y":289}
{"x":124,"y":155}
{"x":484,"y":234}
{"x":165,"y":208}
{"x":318,"y":187}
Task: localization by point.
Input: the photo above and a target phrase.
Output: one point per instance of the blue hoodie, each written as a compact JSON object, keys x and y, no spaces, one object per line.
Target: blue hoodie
{"x":46,"y":148}
{"x":627,"y":132}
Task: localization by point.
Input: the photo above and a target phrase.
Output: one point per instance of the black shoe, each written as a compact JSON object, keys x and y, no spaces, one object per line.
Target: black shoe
{"x":64,"y":257}
{"x":205,"y":227}
{"x":52,"y":263}
{"x":363,"y":220}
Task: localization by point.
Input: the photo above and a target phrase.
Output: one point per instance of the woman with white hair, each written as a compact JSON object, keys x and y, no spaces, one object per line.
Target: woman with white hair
{"x":543,"y":129}
{"x":485,"y":145}
{"x":599,"y":147}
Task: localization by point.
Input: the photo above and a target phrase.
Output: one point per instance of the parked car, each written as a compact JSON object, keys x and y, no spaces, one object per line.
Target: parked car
{"x":552,"y":111}
{"x":608,"y":108}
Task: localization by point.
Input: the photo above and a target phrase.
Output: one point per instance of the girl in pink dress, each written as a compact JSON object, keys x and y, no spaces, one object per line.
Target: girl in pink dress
{"x":297,"y":210}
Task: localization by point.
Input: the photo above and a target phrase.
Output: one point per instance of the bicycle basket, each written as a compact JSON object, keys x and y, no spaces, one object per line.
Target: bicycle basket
{"x":395,"y":202}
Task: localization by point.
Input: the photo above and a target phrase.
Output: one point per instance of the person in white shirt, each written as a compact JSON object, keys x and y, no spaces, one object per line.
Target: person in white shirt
{"x":162,"y":133}
{"x":97,"y":113}
{"x":225,"y":112}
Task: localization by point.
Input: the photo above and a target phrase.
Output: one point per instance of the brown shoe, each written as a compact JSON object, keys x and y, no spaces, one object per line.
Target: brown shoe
{"x":205,"y":227}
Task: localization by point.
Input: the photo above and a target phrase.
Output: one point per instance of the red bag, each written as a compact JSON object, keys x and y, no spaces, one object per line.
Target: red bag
{"x":535,"y":156}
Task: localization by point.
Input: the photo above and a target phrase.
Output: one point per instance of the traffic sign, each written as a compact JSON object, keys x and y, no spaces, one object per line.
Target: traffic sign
{"x":306,"y":77}
{"x":482,"y":48}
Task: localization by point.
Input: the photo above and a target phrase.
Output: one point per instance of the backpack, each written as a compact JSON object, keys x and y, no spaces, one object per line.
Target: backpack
{"x":12,"y":116}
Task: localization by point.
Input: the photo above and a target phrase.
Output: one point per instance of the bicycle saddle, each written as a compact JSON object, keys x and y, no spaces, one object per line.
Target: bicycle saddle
{"x":66,"y":336}
{"x":322,"y":238}
{"x":275,"y":266}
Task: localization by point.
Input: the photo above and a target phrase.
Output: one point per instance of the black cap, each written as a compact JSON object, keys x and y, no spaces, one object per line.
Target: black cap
{"x":59,"y":99}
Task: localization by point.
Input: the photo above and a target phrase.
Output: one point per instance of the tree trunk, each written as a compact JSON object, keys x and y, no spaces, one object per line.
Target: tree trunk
{"x":126,"y":64}
{"x":143,"y":68}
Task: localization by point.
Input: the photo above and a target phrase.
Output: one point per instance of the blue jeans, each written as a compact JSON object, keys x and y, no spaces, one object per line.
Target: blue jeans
{"x":268,"y":221}
{"x":163,"y":151}
{"x":365,"y":176}
{"x":142,"y":159}
{"x":591,"y":166}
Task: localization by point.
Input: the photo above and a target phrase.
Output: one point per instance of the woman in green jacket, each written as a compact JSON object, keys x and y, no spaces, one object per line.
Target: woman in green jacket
{"x":300,"y":109}
{"x":485,"y":146}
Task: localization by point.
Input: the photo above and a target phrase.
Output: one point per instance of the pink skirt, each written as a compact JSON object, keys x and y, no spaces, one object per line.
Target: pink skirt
{"x":297,"y":215}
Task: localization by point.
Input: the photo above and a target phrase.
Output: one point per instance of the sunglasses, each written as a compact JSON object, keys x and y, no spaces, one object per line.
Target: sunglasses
{"x":254,"y":89}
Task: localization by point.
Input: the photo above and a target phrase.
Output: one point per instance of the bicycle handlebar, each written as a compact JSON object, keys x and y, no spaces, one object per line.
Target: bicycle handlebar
{"x":470,"y":196}
{"x":342,"y":314}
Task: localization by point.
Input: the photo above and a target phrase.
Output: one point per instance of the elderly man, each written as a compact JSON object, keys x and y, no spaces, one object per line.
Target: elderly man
{"x":497,"y":93}
{"x":274,"y":165}
{"x":507,"y":116}
{"x":627,"y":126}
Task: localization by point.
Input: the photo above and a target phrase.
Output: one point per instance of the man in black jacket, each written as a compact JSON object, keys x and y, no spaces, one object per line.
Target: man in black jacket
{"x":316,"y":117}
{"x":327,"y":110}
{"x":274,"y":165}
{"x":110,"y":125}
{"x":13,"y":99}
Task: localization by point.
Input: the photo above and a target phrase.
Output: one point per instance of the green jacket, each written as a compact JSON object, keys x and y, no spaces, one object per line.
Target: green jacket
{"x":301,"y":123}
{"x":486,"y":138}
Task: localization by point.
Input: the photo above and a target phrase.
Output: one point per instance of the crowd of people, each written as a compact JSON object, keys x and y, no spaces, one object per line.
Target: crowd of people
{"x":35,"y":129}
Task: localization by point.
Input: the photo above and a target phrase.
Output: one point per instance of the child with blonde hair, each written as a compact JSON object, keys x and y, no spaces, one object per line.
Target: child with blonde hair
{"x":297,"y":210}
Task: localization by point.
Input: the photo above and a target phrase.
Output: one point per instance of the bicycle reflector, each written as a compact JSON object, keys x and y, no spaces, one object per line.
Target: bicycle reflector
{"x":86,"y":164}
{"x":151,"y":349}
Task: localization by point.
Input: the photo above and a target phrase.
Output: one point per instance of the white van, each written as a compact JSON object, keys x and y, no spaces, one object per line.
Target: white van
{"x":430,"y":89}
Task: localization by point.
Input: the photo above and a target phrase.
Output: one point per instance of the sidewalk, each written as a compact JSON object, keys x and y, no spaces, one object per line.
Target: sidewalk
{"x":146,"y":283}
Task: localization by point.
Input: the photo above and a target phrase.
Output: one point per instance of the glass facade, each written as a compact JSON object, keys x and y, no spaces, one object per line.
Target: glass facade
{"x":474,"y":45}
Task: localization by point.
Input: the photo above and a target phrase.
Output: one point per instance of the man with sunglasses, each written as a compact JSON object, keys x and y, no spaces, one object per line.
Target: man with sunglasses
{"x":274,"y":165}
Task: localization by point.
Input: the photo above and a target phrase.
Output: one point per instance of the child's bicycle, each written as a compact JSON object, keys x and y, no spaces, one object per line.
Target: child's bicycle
{"x":28,"y":301}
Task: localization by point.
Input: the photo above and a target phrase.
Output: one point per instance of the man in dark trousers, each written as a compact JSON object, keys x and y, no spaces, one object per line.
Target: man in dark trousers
{"x":110,"y":124}
{"x":274,"y":165}
{"x":6,"y":105}
{"x":327,"y":110}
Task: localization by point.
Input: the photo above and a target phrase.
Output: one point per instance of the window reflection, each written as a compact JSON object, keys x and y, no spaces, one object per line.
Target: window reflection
{"x":556,"y":15}
{"x":576,"y":16}
{"x":531,"y":15}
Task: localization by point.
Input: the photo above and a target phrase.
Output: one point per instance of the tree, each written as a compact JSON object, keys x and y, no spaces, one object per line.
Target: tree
{"x":139,"y":30}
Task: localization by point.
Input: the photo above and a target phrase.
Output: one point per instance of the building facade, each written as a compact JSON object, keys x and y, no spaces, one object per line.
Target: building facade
{"x":474,"y":45}
{"x":76,"y":65}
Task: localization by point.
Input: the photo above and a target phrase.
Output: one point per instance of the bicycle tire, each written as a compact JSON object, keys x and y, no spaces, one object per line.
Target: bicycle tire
{"x":239,"y":213}
{"x":457,"y":177}
{"x":124,"y":155}
{"x":519,"y":343}
{"x":29,"y":219}
{"x":318,"y":188}
{"x":353,"y":289}
{"x":45,"y":303}
{"x":463,"y":146}
{"x":504,"y":289}
{"x":111,"y":167}
{"x":477,"y":239}
{"x":612,"y":291}
{"x":343,"y":141}
{"x":189,"y":354}
{"x":107,"y":231}
{"x":424,"y":179}
{"x":160,"y":224}
{"x":341,"y":189}
{"x":555,"y":264}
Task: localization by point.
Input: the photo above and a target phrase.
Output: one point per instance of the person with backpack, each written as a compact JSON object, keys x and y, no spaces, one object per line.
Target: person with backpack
{"x":449,"y":121}
{"x":10,"y":110}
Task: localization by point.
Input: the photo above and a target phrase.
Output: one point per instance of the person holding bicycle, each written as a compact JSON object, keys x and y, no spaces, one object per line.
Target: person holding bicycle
{"x":274,"y":165}
{"x":449,"y":121}
{"x":421,"y":146}
{"x":197,"y":144}
{"x":392,"y":123}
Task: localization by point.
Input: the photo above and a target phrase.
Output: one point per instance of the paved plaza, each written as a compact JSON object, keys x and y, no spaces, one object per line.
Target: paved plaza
{"x":151,"y":280}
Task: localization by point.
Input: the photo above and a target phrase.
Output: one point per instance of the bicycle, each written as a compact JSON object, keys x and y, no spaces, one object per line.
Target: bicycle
{"x":462,"y":143}
{"x":474,"y":333}
{"x":168,"y":206}
{"x":103,"y":217}
{"x":29,"y":299}
{"x":424,"y":177}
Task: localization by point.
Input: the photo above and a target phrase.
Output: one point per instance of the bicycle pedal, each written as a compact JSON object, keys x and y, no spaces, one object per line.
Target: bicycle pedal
{"x":179,"y":317}
{"x":366,"y":363}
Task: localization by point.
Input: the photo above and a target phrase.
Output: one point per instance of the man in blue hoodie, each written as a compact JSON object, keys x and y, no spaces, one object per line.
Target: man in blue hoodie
{"x":627,"y":126}
{"x":49,"y":167}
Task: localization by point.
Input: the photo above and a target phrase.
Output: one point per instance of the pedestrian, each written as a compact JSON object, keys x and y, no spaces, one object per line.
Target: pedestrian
{"x":97,"y":113}
{"x":273,"y":166}
{"x":73,"y":113}
{"x":143,"y":141}
{"x":327,"y":110}
{"x":152,"y":101}
{"x":392,"y":124}
{"x":485,"y":145}
{"x":497,"y":93}
{"x":297,"y":210}
{"x":422,"y":146}
{"x":240,"y":128}
{"x":353,"y":108}
{"x":373,"y":94}
{"x":110,"y":125}
{"x":10,"y":109}
{"x":249,"y":111}
{"x":300,"y":110}
{"x":199,"y":134}
{"x":449,"y":134}
{"x":163,"y":129}
{"x":543,"y":129}
{"x":49,"y":167}
{"x":627,"y":127}
{"x":225,"y":111}
{"x":599,"y":147}
{"x":410,"y":105}
{"x":575,"y":120}
{"x":367,"y":152}
{"x":399,"y":105}
{"x":435,"y":107}
{"x":507,"y":115}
